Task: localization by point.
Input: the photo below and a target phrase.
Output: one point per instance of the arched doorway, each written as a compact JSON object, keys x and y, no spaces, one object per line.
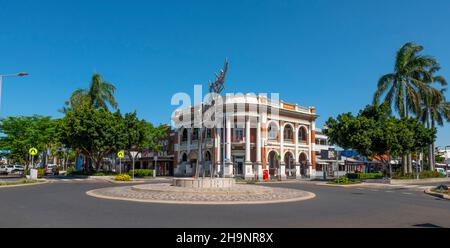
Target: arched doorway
{"x":303,"y":160}
{"x":190,"y":170}
{"x":207,"y":170}
{"x":290,"y":165}
{"x":274,"y":164}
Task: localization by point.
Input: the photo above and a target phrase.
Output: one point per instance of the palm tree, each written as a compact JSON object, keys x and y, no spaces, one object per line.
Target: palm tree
{"x":403,"y":88}
{"x":435,"y":108}
{"x":99,"y":94}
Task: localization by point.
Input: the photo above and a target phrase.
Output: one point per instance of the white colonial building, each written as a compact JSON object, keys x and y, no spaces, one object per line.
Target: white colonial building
{"x":258,"y":136}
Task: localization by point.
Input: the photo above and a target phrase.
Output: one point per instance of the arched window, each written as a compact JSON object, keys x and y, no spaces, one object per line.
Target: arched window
{"x":184,"y":136}
{"x":303,"y":135}
{"x":208,"y":156}
{"x":185,"y":158}
{"x":195,"y":134}
{"x":288,"y":133}
{"x":272,"y":131}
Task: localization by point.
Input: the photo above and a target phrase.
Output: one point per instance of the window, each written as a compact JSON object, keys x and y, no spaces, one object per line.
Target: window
{"x":238,"y":134}
{"x":184,"y":136}
{"x":273,"y":131}
{"x":208,"y":133}
{"x":303,"y":135}
{"x":195,"y":134}
{"x":288,"y":133}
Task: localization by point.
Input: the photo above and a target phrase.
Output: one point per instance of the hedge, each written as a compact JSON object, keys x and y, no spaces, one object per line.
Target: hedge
{"x":363,"y":176}
{"x":141,"y":173}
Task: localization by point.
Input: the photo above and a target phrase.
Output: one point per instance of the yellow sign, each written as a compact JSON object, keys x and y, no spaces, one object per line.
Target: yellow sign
{"x":120,"y":154}
{"x":33,"y":151}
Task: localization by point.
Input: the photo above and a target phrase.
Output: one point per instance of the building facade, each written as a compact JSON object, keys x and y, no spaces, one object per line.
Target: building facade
{"x":258,"y":136}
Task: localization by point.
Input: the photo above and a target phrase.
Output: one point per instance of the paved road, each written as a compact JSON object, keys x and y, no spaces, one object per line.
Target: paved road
{"x":65,"y":204}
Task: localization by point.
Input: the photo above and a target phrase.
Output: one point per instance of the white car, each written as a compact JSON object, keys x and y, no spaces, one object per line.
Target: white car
{"x":3,"y":170}
{"x":12,"y":169}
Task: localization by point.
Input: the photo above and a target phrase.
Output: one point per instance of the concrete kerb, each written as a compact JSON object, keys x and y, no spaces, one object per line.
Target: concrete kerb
{"x":40,"y":182}
{"x":341,"y":185}
{"x":304,"y":198}
{"x":436,"y":194}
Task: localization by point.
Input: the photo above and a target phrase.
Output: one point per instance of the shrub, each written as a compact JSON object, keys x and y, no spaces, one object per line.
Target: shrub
{"x":141,"y":173}
{"x":430,"y":174}
{"x":41,"y":172}
{"x":73,"y":171}
{"x":99,"y":174}
{"x":123,"y":178}
{"x":422,"y":175}
{"x":363,"y":176}
{"x":342,"y":180}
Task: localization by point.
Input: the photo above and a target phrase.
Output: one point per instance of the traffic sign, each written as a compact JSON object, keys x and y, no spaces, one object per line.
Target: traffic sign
{"x":121,"y":154}
{"x":33,"y":151}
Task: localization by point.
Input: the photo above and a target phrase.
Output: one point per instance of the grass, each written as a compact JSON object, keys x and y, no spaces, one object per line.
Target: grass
{"x":24,"y":181}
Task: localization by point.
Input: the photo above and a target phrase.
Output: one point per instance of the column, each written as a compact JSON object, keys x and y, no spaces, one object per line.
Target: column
{"x":282,"y":164}
{"x":179,"y":158}
{"x":297,"y":155}
{"x":219,"y":150}
{"x":312,"y":160}
{"x":258,"y":150}
{"x":248,"y":160}
{"x":228,"y":171}
{"x":189,"y":169}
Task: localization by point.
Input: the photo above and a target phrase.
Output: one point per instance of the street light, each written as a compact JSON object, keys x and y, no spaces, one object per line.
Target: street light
{"x":20,"y":74}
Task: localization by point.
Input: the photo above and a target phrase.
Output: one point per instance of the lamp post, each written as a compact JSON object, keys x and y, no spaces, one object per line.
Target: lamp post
{"x":20,"y":74}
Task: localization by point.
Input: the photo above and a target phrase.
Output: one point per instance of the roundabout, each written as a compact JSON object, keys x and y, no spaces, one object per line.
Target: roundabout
{"x":169,"y":193}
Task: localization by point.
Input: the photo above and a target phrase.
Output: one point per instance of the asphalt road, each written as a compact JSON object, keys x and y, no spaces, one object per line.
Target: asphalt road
{"x":65,"y":204}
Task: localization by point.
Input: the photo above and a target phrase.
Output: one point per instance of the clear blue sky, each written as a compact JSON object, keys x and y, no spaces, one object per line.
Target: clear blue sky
{"x":327,"y":54}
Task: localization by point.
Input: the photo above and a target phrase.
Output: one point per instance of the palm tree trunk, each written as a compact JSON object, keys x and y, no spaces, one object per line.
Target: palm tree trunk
{"x":432,"y":146}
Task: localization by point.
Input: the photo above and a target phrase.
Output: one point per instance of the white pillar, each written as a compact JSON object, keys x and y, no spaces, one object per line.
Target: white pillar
{"x":258,"y":150}
{"x":247,"y":141}
{"x":228,"y":171}
{"x":218,"y":146}
{"x":297,"y":155}
{"x":282,"y":164}
{"x":248,"y":160}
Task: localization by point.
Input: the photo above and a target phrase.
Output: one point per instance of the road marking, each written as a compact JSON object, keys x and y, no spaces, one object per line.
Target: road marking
{"x":374,"y":190}
{"x":388,"y":191}
{"x":407,"y":193}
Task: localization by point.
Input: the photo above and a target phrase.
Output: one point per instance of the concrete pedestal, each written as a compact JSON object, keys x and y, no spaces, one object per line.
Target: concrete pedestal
{"x":228,"y":170}
{"x":249,"y":173}
{"x":282,"y":171}
{"x":204,"y":183}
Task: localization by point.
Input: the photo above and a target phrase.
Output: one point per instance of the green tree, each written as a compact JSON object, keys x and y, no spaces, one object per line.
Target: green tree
{"x":23,"y":132}
{"x":142,"y":135}
{"x":94,"y":132}
{"x":99,"y":94}
{"x":403,"y":88}
{"x":373,"y":132}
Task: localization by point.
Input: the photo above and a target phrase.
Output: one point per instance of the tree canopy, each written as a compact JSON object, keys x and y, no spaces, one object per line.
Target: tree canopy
{"x":24,"y":132}
{"x":374,"y":132}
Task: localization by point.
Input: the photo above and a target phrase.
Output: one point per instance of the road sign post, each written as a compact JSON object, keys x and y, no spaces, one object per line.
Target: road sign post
{"x":33,"y":152}
{"x":120,"y":155}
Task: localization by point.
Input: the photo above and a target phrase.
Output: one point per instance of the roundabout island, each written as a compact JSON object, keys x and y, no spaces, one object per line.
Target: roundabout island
{"x":219,"y":191}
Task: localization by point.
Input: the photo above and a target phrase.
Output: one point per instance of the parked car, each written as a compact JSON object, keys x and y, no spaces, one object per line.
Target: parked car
{"x":3,"y":170}
{"x":15,"y":169}
{"x":441,"y":171}
{"x":52,"y":169}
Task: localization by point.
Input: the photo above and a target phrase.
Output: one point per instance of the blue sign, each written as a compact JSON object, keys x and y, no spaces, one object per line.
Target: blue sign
{"x":5,"y":151}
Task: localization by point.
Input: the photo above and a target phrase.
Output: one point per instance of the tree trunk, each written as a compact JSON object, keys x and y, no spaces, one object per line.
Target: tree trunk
{"x":404,"y":165}
{"x":410,"y":168}
{"x":432,"y":147}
